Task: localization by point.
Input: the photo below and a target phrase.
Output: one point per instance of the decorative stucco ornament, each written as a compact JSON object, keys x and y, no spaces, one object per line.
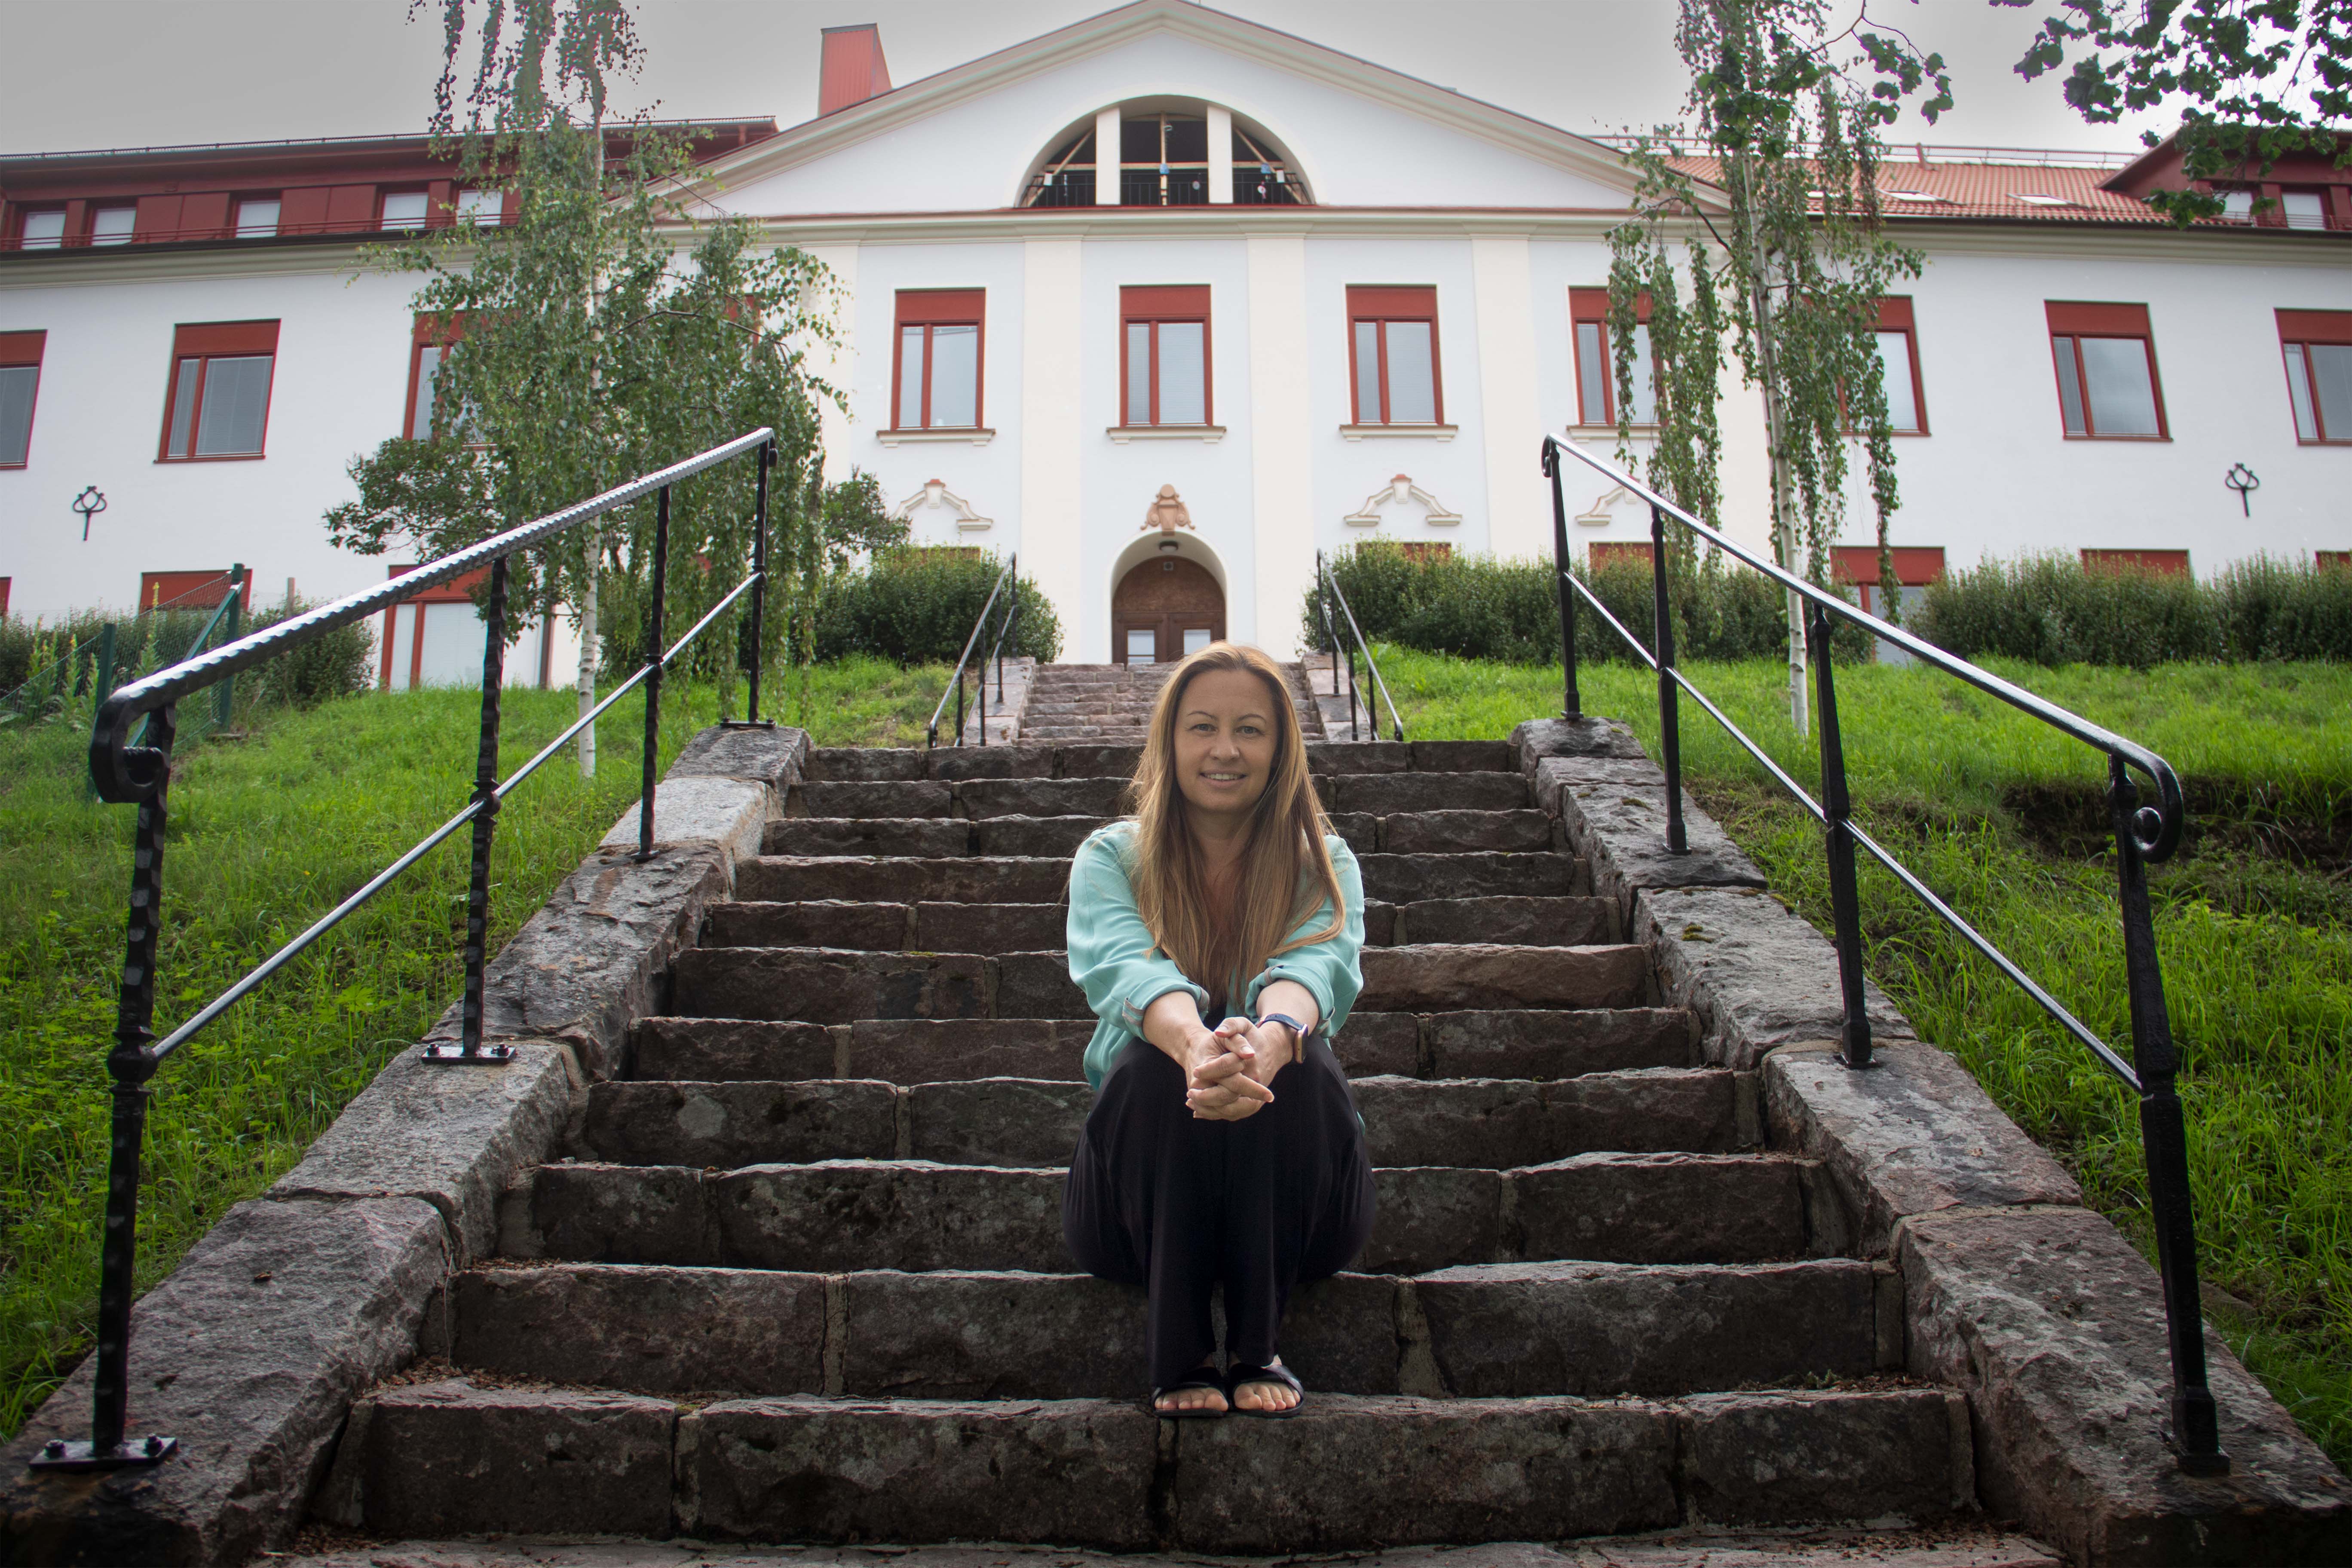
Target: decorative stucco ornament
{"x":1401,"y":492}
{"x":1167,"y":514}
{"x":934,"y":496}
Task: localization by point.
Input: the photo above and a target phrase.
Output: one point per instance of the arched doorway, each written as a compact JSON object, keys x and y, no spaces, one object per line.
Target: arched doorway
{"x":1163,"y":609}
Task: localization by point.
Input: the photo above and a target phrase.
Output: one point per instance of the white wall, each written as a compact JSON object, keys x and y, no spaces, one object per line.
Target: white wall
{"x":340,"y":388}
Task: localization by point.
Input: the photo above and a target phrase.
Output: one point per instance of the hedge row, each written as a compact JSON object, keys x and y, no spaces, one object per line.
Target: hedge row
{"x":2050,"y":610}
{"x":1476,"y":606}
{"x":918,"y":606}
{"x":46,"y":669}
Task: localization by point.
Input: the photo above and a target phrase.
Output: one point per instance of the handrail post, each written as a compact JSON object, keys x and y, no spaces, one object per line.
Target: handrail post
{"x":958,"y":686}
{"x":1323,"y":604}
{"x":2194,"y":1429}
{"x":1837,"y":812}
{"x":767,"y":460}
{"x":653,"y":674}
{"x":1571,"y":702}
{"x":1670,"y":734}
{"x":470,"y":1049}
{"x":129,"y":1064}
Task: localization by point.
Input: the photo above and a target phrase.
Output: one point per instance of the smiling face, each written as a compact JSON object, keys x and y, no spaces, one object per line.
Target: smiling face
{"x":1225,"y":749}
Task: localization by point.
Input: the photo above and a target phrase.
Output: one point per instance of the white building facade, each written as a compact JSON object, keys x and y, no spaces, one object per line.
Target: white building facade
{"x":1322,"y":300}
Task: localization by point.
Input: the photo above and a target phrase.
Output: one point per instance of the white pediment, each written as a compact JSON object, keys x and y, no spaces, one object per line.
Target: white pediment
{"x":933,"y":510}
{"x":1363,"y":135}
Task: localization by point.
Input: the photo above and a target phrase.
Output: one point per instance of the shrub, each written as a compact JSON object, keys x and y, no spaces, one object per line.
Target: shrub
{"x":917,"y":606}
{"x":1475,"y":606}
{"x":340,"y":664}
{"x":2051,"y":609}
{"x":50,"y":671}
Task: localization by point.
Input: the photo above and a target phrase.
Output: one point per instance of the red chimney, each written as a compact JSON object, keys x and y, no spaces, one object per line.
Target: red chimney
{"x":853,"y":69}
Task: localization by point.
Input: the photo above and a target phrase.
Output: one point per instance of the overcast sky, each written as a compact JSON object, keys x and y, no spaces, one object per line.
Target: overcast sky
{"x":116,"y":73}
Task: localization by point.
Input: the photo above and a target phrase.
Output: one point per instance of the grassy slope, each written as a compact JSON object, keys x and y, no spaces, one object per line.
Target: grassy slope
{"x":1998,"y":812}
{"x":264,"y":835}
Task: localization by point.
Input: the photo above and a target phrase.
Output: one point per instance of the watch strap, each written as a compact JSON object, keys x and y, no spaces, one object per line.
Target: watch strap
{"x":1295,"y":1027}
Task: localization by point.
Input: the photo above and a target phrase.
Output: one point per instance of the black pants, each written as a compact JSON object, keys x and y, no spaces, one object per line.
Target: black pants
{"x":1159,"y":1198}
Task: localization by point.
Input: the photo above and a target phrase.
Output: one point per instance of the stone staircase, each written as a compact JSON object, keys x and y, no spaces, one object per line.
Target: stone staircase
{"x":1111,"y":703}
{"x":801,"y":1279}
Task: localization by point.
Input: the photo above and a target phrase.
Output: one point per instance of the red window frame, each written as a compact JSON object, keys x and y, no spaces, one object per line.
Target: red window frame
{"x":2301,"y":329}
{"x":1591,"y":306}
{"x":460,"y":591}
{"x":2076,"y":320}
{"x":2321,"y":560}
{"x":1894,"y":316}
{"x":1856,"y":566}
{"x":2161,"y":562}
{"x":1373,"y":302}
{"x":1157,"y":305}
{"x":206,"y":342}
{"x":18,"y":350}
{"x":1603,"y":550}
{"x":927,"y":309}
{"x":190,"y":590}
{"x":433,"y":335}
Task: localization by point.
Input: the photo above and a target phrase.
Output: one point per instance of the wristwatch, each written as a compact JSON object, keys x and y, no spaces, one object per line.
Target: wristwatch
{"x":1297,"y":1029}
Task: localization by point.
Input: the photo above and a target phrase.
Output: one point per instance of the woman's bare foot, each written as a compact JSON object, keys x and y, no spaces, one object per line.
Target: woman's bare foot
{"x":1266,"y":1396}
{"x":1209,"y":1398}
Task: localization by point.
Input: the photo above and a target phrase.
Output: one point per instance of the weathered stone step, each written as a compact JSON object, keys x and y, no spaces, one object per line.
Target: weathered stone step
{"x":840,"y":986}
{"x":1003,"y":1334}
{"x":937,"y":834}
{"x":1482,"y":1124}
{"x":1413,"y":879}
{"x":1028,"y":928}
{"x":916,"y":1215}
{"x":965,"y":878}
{"x":1382,"y":794}
{"x":1500,"y":1044}
{"x":972,"y":797}
{"x":1347,"y":1473}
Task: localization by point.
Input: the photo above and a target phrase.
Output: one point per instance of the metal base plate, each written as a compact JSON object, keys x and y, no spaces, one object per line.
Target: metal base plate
{"x":57,"y":1454}
{"x":747,"y":723}
{"x":487,"y":1054}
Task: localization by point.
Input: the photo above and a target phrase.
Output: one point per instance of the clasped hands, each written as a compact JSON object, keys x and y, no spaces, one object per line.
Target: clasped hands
{"x":1227,"y":1069}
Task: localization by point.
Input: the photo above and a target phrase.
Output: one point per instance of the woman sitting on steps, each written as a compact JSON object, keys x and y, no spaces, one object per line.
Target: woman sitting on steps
{"x":1215,"y":934}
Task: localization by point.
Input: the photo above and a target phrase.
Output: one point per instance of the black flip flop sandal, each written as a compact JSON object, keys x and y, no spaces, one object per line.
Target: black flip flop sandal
{"x":1277,"y":1373}
{"x":1202,"y":1377}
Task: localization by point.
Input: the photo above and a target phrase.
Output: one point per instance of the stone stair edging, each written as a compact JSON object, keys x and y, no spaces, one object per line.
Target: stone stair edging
{"x":290,"y":1308}
{"x":1005,"y":713}
{"x":2038,"y":1309}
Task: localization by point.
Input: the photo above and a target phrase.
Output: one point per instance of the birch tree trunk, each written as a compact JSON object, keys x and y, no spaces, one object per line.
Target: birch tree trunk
{"x":1784,"y":523}
{"x":595,"y":551}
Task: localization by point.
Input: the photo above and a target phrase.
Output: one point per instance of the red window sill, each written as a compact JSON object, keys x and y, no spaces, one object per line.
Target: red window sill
{"x":216,"y":458}
{"x":2072,"y":436}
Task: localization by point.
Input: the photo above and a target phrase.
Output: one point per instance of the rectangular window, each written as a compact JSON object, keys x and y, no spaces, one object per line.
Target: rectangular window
{"x":218,"y":401}
{"x":1596,"y":361}
{"x":43,"y":230}
{"x":20,"y":381}
{"x":1898,"y":363}
{"x":113,"y":225}
{"x":481,"y":208}
{"x":2105,"y":360}
{"x":2318,"y":348}
{"x":258,"y":218}
{"x":1164,"y":355}
{"x":2237,"y":206}
{"x":937,"y":377}
{"x":1392,"y":347}
{"x":2302,"y":209}
{"x":2161,"y":562}
{"x":403,"y":209}
{"x":1623,"y":554}
{"x":2321,"y":560}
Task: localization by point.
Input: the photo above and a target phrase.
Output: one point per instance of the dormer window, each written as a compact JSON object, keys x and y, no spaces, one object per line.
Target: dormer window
{"x":482,"y":209}
{"x":256,"y":218}
{"x":113,"y":225}
{"x":403,"y":209}
{"x":43,"y":230}
{"x":1181,"y":154}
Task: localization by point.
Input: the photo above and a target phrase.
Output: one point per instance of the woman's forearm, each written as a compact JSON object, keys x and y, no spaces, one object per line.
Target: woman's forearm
{"x":1173,"y":1024}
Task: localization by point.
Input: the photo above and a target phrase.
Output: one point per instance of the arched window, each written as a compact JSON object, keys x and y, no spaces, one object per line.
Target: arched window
{"x":1164,"y":162}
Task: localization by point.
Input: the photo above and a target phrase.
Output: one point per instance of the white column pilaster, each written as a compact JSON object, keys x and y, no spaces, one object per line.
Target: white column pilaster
{"x":1050,"y":453}
{"x":1106,"y":157}
{"x":838,"y":363}
{"x":1518,"y":502}
{"x":1282,"y":478}
{"x":1220,"y":155}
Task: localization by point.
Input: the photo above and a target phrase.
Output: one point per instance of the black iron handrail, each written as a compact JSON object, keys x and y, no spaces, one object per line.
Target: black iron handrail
{"x":1327,"y":593}
{"x":2143,"y":833}
{"x":141,"y":774}
{"x":1010,"y":576}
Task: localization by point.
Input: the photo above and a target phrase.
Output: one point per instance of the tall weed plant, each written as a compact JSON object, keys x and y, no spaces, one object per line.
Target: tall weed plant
{"x":2052,"y":610}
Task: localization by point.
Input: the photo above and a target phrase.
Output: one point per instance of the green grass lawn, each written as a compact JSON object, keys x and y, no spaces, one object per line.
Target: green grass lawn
{"x":266,"y":835}
{"x":2002,"y":816}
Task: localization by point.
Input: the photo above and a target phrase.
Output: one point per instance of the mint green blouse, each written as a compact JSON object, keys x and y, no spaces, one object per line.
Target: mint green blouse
{"x":1111,"y":957}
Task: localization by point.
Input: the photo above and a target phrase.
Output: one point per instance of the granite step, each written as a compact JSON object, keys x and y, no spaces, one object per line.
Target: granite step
{"x":1492,"y":1331}
{"x":1381,"y":794}
{"x":1025,"y":927}
{"x":955,"y":876}
{"x":841,"y":985}
{"x":1502,"y":1042}
{"x":1480,"y":1124}
{"x":1349,"y":1473}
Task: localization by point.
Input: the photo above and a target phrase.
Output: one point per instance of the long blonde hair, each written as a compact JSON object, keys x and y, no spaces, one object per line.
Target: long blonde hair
{"x":1285,"y":873}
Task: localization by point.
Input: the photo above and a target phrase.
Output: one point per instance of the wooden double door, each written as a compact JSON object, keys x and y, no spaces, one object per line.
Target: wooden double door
{"x":1164,"y":609}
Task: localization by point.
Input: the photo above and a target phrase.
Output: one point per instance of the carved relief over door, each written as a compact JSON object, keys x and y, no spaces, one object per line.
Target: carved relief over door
{"x":1164,"y":609}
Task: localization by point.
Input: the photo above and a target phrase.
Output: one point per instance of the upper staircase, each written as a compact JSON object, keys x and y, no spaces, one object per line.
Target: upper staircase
{"x":801,"y":1277}
{"x":1111,"y":703}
